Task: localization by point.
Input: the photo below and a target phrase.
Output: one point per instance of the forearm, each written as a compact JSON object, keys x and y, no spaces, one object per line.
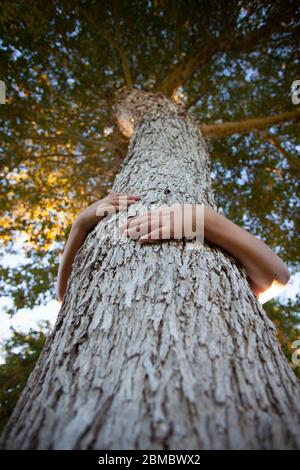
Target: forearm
{"x":83,"y":224}
{"x":264,"y":268}
{"x":75,"y":240}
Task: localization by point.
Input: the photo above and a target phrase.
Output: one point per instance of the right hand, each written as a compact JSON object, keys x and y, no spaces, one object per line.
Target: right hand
{"x":114,"y":202}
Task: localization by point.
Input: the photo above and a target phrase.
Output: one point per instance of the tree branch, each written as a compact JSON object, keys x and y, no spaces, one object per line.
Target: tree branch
{"x":122,"y":53}
{"x":292,"y":160}
{"x":59,"y":138}
{"x":184,"y":70}
{"x":104,"y":32}
{"x":247,"y":125}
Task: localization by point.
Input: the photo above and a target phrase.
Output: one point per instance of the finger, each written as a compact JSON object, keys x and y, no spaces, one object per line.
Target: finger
{"x":160,"y":224}
{"x":123,"y":201}
{"x":134,"y":196}
{"x":122,"y":204}
{"x":160,"y":233}
{"x":124,"y":195}
{"x":139,"y":220}
{"x":105,"y":209}
{"x":143,"y":229}
{"x":162,"y":213}
{"x":151,"y":215}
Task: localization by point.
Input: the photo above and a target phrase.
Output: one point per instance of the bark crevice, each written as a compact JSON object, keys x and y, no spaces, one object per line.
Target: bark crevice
{"x":159,"y":346}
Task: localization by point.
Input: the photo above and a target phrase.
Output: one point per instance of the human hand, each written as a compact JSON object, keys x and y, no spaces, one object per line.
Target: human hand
{"x":111,"y":204}
{"x":174,"y":222}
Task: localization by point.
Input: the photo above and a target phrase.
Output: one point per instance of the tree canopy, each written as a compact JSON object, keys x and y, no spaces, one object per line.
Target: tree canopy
{"x":231,"y":64}
{"x":21,"y":352}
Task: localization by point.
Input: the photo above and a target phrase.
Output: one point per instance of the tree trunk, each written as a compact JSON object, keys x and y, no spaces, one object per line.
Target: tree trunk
{"x":160,"y":346}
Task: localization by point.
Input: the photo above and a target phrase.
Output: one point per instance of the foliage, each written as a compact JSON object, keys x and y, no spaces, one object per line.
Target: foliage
{"x":21,"y":352}
{"x":286,"y":319}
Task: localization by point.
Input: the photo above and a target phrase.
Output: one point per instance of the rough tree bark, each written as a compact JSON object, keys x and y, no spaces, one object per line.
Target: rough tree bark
{"x":159,"y":346}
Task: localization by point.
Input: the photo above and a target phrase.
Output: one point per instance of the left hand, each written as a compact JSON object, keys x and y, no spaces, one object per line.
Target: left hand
{"x":164,"y":223}
{"x":97,"y":211}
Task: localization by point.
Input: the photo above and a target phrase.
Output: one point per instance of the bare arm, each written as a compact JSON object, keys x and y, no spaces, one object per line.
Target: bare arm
{"x":82,"y":225}
{"x":266,"y":272}
{"x":75,"y":240}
